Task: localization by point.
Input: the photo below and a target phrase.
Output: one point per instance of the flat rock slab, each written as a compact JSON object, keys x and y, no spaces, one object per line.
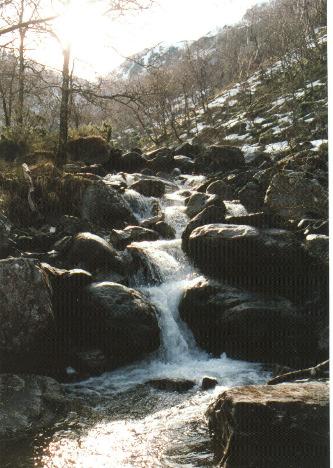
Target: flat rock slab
{"x":29,"y":403}
{"x":263,"y":426}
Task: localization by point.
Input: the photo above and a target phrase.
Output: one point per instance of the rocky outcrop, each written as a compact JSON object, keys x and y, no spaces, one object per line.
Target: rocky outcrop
{"x":224,"y":157}
{"x":93,"y":253}
{"x":248,"y":325}
{"x":263,"y":258}
{"x":272,"y":426}
{"x":105,"y":206}
{"x":293,"y":195}
{"x":6,"y":246}
{"x":132,"y":161}
{"x":118,"y":320}
{"x":171,"y":385}
{"x":29,"y":404}
{"x":91,"y":149}
{"x":209,"y":215}
{"x":196,"y":203}
{"x":149,"y":187}
{"x":121,"y":239}
{"x":26,"y":315}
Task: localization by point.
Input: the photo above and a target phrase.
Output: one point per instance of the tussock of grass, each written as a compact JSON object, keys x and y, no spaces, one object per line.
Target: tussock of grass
{"x":55,"y":193}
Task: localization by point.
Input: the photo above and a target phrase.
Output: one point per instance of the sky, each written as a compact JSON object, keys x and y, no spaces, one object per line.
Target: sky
{"x":101,"y":44}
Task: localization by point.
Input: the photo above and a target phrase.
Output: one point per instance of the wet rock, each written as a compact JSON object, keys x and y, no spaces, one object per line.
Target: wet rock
{"x":120,"y":239}
{"x":118,"y":320}
{"x":29,"y":404}
{"x":160,"y":160}
{"x":196,"y":203}
{"x":71,"y":225}
{"x":219,"y":187}
{"x":185,"y":163}
{"x":249,"y":325}
{"x":164,"y":151}
{"x":252,"y":196}
{"x":187,"y":149}
{"x":150,"y":222}
{"x":259,"y":219}
{"x":89,"y":362}
{"x":165,"y":230}
{"x":105,"y":206}
{"x":209,"y":215}
{"x":272,"y":426}
{"x":91,"y":252}
{"x":318,"y":247}
{"x":6,"y":246}
{"x":149,"y":187}
{"x":26,"y":315}
{"x":132,"y":161}
{"x":176,"y":172}
{"x":262,"y":258}
{"x":294,"y":196}
{"x":208,"y":383}
{"x":225,"y":157}
{"x":171,"y":385}
{"x":91,"y":149}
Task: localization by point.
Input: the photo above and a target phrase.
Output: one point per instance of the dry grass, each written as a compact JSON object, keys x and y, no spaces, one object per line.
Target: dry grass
{"x":55,"y":192}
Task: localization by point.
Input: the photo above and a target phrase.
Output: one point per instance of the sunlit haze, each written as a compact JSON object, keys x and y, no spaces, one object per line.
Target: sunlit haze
{"x":100,"y":44}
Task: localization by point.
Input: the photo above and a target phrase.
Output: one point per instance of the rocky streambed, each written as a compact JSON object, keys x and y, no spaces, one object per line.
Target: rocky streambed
{"x":180,"y":295}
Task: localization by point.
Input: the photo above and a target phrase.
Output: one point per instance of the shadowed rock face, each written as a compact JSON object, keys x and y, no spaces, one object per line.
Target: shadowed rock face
{"x":293,"y":196}
{"x":276,"y":427}
{"x":105,"y":206}
{"x":225,"y":157}
{"x":26,"y":313}
{"x":269,"y":259}
{"x":248,"y":325}
{"x":94,"y":253}
{"x":29,"y":404}
{"x":118,"y":320}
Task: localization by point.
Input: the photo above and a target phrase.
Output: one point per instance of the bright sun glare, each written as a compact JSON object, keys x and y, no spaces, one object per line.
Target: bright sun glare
{"x":83,"y":26}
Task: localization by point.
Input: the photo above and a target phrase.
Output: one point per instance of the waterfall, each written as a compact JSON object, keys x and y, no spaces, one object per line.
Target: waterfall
{"x":143,"y":207}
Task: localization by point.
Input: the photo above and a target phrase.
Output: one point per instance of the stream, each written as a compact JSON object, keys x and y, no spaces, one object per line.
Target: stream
{"x":129,"y":424}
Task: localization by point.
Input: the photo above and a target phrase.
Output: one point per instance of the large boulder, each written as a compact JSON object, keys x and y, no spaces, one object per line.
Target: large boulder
{"x":263,"y":258}
{"x":29,"y":404}
{"x":122,"y":238}
{"x":292,"y":195}
{"x":102,"y":204}
{"x":132,"y":161}
{"x":26,"y":315}
{"x":209,"y":215}
{"x":280,"y":426}
{"x":187,"y":149}
{"x":225,"y":157}
{"x":90,"y":149}
{"x":248,"y":325}
{"x":160,"y":160}
{"x":220,"y":188}
{"x":196,"y":203}
{"x":151,"y":187}
{"x":5,"y":243}
{"x":184,"y":163}
{"x":118,"y":320}
{"x":93,"y":253}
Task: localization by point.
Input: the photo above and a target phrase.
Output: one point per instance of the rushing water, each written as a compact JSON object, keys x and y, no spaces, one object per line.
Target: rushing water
{"x":129,"y":424}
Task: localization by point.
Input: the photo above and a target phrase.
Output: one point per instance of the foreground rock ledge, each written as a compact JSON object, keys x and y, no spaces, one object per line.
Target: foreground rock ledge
{"x":29,"y":403}
{"x":262,"y":426}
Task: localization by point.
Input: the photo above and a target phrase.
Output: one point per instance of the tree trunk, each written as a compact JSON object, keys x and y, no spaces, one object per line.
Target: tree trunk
{"x":64,"y":109}
{"x":20,"y":104}
{"x":20,"y":107}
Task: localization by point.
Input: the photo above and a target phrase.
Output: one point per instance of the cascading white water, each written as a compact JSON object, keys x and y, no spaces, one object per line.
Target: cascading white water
{"x":139,"y":427}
